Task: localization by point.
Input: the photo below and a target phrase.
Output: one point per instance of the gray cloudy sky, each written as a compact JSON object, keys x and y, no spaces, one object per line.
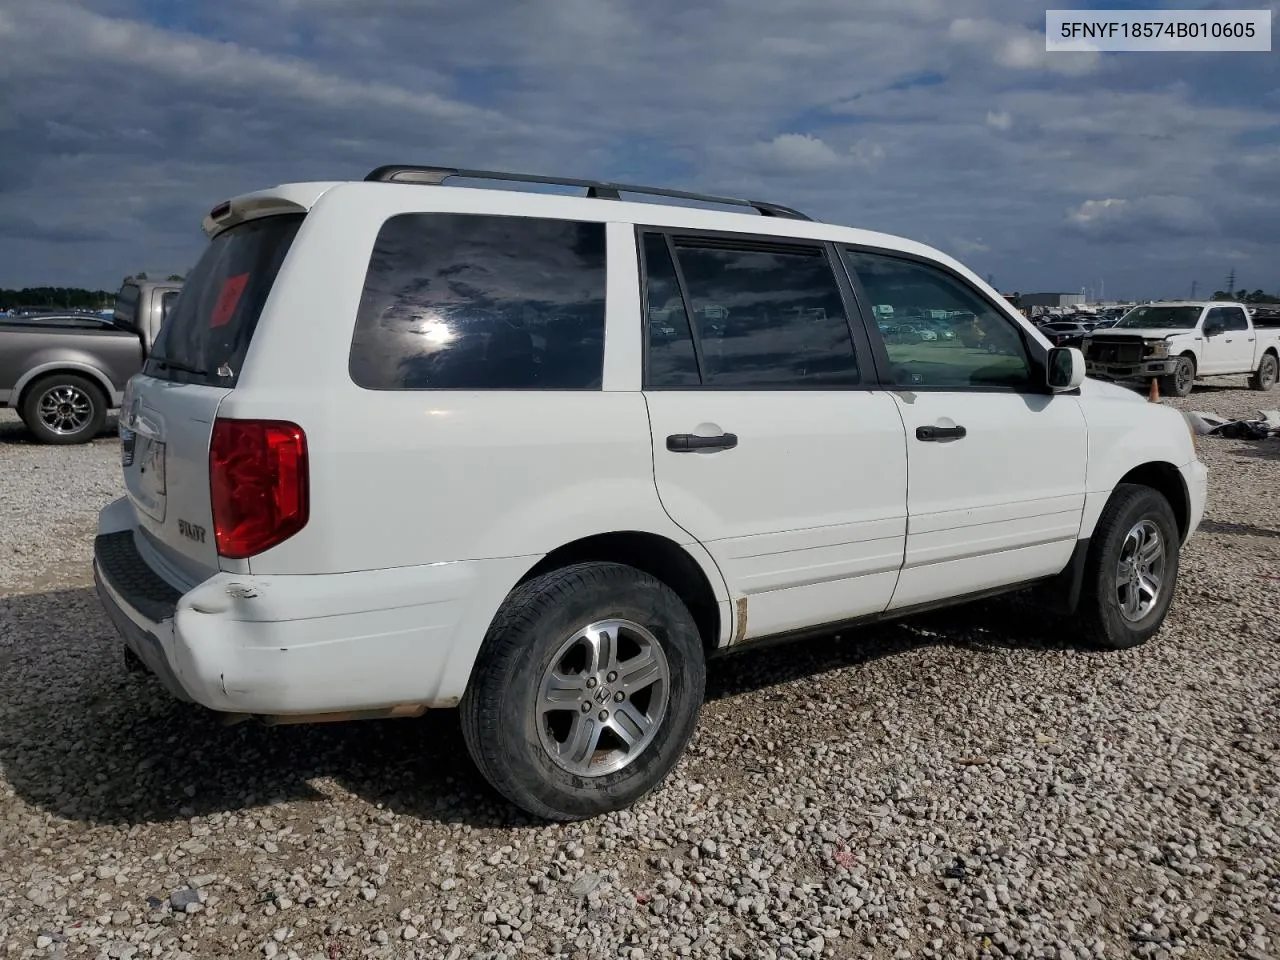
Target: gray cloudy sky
{"x":124,"y":121}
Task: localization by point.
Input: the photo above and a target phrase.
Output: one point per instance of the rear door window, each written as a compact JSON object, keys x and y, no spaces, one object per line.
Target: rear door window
{"x":765,"y":316}
{"x":206,"y":335}
{"x":476,"y":302}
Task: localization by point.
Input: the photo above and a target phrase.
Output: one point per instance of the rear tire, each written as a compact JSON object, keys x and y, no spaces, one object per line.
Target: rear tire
{"x":1183,"y":378}
{"x":1264,"y":378}
{"x":537,"y":697}
{"x":1132,"y":569}
{"x":64,"y":408}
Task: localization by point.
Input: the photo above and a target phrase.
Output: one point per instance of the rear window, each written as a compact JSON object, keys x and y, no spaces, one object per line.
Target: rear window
{"x":126,"y":310}
{"x":167,"y":301}
{"x":472,"y":302}
{"x":206,"y":335}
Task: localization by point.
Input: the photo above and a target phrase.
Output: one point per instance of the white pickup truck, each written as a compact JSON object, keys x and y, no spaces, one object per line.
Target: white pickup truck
{"x":1181,"y":342}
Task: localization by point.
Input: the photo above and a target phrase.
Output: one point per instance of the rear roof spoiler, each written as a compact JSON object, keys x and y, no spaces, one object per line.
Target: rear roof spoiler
{"x":288,"y":198}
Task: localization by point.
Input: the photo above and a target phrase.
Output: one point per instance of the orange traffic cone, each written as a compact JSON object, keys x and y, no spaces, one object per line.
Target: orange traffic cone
{"x":1153,"y":394}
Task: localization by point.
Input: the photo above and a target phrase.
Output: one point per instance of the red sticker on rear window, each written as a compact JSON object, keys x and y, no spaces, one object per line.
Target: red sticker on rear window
{"x":228,"y":299}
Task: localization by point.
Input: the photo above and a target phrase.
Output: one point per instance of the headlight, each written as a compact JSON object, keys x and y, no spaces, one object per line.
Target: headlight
{"x":1157,"y":348}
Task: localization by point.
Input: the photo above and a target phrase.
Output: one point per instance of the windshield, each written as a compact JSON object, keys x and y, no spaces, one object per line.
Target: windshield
{"x":206,"y":334}
{"x":1160,"y":318}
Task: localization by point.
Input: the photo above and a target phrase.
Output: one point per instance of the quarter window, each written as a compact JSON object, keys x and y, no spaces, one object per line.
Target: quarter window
{"x":461,"y":301}
{"x":937,"y":331}
{"x":672,"y":361}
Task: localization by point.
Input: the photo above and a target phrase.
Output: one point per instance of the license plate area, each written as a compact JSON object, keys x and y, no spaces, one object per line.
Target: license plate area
{"x":150,"y":456}
{"x":144,"y":462}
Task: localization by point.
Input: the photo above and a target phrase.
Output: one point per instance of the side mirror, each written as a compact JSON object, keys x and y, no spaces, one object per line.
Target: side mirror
{"x":1066,"y":369}
{"x":1213,"y":327}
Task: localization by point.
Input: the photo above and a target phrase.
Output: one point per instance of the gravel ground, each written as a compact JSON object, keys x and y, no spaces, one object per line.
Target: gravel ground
{"x":966,"y":784}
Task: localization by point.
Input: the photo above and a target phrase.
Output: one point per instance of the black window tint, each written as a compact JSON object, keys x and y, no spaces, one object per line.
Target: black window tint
{"x":671,"y":362}
{"x":206,"y":336}
{"x":167,"y":301}
{"x":460,"y":301}
{"x":936,"y":330}
{"x":126,"y":308}
{"x":767,"y":317}
{"x":1236,"y":318}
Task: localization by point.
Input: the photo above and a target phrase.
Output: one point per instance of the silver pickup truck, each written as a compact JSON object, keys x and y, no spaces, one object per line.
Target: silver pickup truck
{"x":62,"y":372}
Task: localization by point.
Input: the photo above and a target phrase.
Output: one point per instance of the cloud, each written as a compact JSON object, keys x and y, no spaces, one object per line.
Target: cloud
{"x":941,"y":120}
{"x":1154,"y":218}
{"x":797,"y":152}
{"x":999,"y":119}
{"x":967,"y":248}
{"x":1017,"y":48}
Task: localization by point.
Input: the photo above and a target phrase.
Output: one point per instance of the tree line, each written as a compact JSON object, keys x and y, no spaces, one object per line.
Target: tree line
{"x":64,"y":298}
{"x":1240,"y":296}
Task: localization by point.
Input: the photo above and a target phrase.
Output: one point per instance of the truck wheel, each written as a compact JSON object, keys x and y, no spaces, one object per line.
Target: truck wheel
{"x":585,"y":692}
{"x":1264,"y":378}
{"x":64,"y":408}
{"x":1183,"y":378}
{"x":1132,"y":569}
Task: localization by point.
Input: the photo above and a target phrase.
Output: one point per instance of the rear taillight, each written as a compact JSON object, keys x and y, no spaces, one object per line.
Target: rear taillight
{"x":258,"y":484}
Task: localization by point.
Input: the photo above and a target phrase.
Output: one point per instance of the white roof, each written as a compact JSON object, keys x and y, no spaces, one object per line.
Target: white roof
{"x":303,"y":196}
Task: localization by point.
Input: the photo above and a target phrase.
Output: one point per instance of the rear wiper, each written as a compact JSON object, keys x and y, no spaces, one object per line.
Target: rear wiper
{"x":179,"y":365}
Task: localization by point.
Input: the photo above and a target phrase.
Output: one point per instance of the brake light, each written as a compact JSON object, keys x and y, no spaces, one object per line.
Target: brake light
{"x":258,"y":484}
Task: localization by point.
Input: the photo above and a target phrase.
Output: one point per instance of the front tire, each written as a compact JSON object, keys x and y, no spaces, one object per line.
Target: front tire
{"x":1264,"y":378}
{"x":1132,"y":569}
{"x":1183,"y":378}
{"x":64,"y":408}
{"x":585,"y":692}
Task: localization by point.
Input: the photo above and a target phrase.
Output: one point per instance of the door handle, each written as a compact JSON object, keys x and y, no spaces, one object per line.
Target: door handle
{"x":941,"y":433}
{"x":688,"y":442}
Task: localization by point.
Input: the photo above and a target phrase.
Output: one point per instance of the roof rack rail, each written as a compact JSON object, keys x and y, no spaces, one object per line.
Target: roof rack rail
{"x":600,"y":189}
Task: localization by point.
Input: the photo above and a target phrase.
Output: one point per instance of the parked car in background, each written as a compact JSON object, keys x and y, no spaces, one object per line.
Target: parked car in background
{"x":64,"y":371}
{"x":404,"y":446}
{"x":943,"y":328}
{"x":1065,"y":333}
{"x":1181,"y":342}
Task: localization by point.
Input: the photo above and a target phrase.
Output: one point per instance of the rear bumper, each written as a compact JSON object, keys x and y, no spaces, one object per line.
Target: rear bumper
{"x":1129,"y":371}
{"x":147,"y":638}
{"x":384,"y":640}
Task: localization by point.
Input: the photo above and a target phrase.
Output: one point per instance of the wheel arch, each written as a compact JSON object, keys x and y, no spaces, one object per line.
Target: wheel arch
{"x":675,"y":565}
{"x":33,"y":376}
{"x":1063,"y":592}
{"x":1160,"y":475}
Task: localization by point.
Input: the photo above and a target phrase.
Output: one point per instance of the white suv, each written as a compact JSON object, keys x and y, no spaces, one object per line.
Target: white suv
{"x":404,"y":446}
